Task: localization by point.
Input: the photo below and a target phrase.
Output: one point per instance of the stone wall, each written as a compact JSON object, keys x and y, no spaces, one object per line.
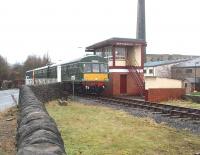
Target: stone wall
{"x":37,"y":132}
{"x":48,"y":92}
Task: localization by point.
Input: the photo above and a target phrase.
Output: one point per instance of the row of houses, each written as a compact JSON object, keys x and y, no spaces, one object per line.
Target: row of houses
{"x":8,"y":84}
{"x":174,"y":72}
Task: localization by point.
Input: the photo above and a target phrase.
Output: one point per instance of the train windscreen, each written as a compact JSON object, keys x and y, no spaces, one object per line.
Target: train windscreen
{"x":95,"y":68}
{"x":87,"y":68}
{"x":104,"y":68}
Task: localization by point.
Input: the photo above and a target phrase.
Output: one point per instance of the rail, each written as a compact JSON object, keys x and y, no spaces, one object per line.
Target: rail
{"x":168,"y":110}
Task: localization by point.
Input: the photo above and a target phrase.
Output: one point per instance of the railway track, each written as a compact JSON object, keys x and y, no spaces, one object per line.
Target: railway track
{"x":168,"y":110}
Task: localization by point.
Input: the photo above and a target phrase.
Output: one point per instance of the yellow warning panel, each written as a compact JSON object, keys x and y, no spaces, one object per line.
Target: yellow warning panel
{"x":95,"y":77}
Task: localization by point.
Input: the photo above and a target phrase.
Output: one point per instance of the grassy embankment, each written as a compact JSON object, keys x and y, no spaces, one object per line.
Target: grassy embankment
{"x":196,"y":94}
{"x":95,"y":130}
{"x":182,"y":103}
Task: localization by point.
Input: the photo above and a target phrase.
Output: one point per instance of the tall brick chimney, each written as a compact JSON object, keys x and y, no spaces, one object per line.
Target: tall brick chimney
{"x":141,"y":26}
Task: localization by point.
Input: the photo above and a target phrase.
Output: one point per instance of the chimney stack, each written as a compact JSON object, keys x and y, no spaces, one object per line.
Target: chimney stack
{"x":141,"y":27}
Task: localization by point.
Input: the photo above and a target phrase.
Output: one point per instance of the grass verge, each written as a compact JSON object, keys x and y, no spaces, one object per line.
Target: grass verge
{"x":95,"y":130}
{"x":196,"y":93}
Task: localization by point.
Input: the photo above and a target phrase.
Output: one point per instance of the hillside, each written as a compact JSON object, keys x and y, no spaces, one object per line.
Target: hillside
{"x":162,"y":57}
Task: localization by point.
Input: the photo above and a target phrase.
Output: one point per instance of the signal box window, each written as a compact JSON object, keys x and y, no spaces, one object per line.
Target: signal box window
{"x":120,"y":53}
{"x":145,"y":71}
{"x":87,"y":68}
{"x":103,"y":68}
{"x":108,"y":52}
{"x":95,"y":67}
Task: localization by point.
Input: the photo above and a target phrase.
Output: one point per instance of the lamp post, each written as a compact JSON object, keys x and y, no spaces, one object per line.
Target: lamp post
{"x":73,"y":78}
{"x":195,"y":75}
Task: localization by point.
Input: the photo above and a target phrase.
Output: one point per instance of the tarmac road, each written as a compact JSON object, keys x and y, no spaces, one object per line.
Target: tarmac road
{"x":8,"y":98}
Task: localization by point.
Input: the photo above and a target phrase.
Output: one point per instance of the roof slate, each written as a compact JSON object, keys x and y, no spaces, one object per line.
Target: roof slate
{"x":192,"y":80}
{"x":116,"y":41}
{"x":190,"y":63}
{"x":161,"y":63}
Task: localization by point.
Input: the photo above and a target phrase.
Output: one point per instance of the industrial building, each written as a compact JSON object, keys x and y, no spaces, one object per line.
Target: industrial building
{"x":160,"y":69}
{"x":188,"y":71}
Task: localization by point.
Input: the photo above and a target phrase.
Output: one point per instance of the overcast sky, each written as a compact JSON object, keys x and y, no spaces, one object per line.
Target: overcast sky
{"x":63,"y":28}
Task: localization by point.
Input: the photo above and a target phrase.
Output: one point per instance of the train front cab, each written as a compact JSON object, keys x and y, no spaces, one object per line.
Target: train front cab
{"x":90,"y":74}
{"x":95,"y":77}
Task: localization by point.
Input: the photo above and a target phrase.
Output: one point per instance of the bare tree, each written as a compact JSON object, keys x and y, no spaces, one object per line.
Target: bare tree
{"x":46,"y":59}
{"x":16,"y":72}
{"x":34,"y":61}
{"x":4,"y":68}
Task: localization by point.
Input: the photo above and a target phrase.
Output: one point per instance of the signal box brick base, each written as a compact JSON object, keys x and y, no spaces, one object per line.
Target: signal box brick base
{"x":122,"y":84}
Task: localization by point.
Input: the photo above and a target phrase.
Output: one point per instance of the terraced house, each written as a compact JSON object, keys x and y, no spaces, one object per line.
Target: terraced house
{"x":160,"y":68}
{"x":188,"y":71}
{"x":158,"y":76}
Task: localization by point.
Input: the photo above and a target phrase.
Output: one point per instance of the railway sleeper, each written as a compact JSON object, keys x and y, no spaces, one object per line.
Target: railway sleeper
{"x":197,"y":111}
{"x":139,"y":105}
{"x":185,"y":114}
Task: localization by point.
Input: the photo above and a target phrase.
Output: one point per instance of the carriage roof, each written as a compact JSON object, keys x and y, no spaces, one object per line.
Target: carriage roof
{"x":90,"y":58}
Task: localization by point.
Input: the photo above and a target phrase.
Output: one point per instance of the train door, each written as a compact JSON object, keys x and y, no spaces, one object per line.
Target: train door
{"x":59,"y":78}
{"x":123,"y":84}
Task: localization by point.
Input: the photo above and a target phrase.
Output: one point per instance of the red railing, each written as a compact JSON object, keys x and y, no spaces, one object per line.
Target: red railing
{"x":133,"y":69}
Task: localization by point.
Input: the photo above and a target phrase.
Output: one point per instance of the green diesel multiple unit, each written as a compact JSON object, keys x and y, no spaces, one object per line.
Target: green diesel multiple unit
{"x":89,"y":74}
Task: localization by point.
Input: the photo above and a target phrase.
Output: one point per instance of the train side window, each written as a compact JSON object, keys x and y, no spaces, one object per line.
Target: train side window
{"x":48,"y":72}
{"x":80,"y":67}
{"x":95,"y":68}
{"x":103,"y":68}
{"x":87,"y":68}
{"x":67,"y":69}
{"x":54,"y":72}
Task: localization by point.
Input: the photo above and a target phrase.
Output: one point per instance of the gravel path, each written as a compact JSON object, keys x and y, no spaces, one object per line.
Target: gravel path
{"x":8,"y":125}
{"x":178,"y":123}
